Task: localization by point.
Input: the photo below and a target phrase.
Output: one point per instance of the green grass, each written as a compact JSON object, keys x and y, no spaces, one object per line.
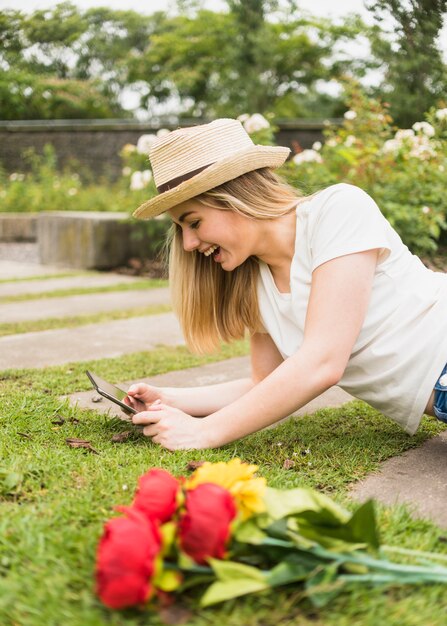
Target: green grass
{"x":55,"y":499}
{"x":46,"y":277}
{"x":150,"y":283}
{"x":15,"y":328}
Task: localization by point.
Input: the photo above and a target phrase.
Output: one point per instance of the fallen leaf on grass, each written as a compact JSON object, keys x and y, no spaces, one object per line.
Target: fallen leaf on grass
{"x":288,"y":464}
{"x":80,"y":443}
{"x":193,"y":465}
{"x":74,"y":420}
{"x":59,"y":420}
{"x":120,"y":437}
{"x":25,"y":435}
{"x":96,"y":398}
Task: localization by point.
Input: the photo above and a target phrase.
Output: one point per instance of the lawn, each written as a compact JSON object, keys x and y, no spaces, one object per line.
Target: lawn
{"x":55,"y":499}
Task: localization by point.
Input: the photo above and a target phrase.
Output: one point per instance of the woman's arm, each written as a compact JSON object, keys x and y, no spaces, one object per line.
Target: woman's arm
{"x":201,"y":401}
{"x":336,"y":311}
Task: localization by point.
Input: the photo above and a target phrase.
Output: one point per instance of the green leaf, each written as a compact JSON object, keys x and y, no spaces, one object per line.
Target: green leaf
{"x":362,"y":526}
{"x":249,"y":532}
{"x":282,"y":503}
{"x":220,"y":591}
{"x":289,"y":571}
{"x":235,"y":579}
{"x":230,"y":570}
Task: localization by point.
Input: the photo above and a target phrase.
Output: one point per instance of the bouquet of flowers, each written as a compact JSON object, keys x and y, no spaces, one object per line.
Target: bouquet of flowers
{"x":224,"y":529}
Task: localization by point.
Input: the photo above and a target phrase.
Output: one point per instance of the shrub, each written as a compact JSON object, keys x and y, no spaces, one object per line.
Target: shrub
{"x":403,"y":170}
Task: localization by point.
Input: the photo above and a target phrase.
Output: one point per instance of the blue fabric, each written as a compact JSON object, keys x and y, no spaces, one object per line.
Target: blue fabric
{"x":440,"y":403}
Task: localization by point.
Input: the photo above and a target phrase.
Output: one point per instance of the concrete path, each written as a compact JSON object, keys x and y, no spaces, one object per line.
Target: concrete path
{"x":417,"y":478}
{"x":93,"y":341}
{"x":15,"y":269}
{"x":210,"y":374}
{"x":70,"y":306}
{"x":66,"y":282}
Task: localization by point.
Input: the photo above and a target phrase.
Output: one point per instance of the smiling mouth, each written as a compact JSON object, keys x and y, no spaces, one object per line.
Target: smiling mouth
{"x":211,"y":250}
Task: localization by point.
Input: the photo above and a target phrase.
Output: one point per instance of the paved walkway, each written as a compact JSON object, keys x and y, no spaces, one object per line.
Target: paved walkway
{"x":417,"y":478}
{"x":63,"y":282}
{"x":70,"y":306}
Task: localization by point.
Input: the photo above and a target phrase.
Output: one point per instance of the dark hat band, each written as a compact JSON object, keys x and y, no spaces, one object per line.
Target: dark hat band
{"x":174,"y":182}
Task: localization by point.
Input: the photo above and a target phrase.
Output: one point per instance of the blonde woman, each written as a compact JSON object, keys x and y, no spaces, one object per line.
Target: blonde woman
{"x":324,"y":286}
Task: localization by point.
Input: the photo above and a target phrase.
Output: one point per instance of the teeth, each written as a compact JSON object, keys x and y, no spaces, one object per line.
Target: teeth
{"x":210,"y":250}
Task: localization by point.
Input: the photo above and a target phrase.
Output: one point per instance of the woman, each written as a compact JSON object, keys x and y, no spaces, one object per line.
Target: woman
{"x":323,"y":284}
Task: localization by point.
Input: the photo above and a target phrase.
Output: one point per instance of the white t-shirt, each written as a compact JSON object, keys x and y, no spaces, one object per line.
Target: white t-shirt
{"x":402,"y":346}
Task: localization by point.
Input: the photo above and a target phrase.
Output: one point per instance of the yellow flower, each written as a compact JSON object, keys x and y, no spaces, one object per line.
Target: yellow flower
{"x":238,"y":478}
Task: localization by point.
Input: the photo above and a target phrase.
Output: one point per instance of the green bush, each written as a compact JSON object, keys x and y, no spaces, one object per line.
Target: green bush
{"x":403,"y":170}
{"x":45,"y":188}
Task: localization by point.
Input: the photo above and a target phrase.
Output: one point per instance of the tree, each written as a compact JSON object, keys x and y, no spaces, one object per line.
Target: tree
{"x":239,"y":61}
{"x":415,"y":73}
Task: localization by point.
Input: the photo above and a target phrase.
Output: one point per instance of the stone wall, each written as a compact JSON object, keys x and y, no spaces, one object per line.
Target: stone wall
{"x":95,"y":144}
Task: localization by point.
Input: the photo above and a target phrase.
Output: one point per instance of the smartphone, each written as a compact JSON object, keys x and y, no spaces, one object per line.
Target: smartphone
{"x":111,"y":392}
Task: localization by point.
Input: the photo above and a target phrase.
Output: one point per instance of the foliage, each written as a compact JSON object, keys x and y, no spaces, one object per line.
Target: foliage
{"x":260,"y":55}
{"x":45,"y":188}
{"x":224,"y":528}
{"x":222,"y":64}
{"x":415,"y":73}
{"x":404,"y":171}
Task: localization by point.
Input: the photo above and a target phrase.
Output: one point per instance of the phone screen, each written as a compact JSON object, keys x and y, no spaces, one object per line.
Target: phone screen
{"x":109,"y":391}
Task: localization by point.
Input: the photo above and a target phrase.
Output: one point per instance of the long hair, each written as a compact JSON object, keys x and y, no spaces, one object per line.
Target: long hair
{"x":213,"y":305}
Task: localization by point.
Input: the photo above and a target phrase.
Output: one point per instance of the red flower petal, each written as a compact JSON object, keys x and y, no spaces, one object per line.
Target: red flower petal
{"x":156,"y":495}
{"x":125,"y":560}
{"x":205,"y":526}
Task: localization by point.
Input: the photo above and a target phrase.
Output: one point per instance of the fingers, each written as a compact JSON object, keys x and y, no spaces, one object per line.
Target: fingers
{"x":150,"y":431}
{"x":137,"y":389}
{"x":151,"y":416}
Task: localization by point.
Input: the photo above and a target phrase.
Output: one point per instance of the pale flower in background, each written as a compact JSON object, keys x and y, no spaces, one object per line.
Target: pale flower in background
{"x":243,"y":118}
{"x":140,"y":180}
{"x":391,"y":145}
{"x":441,"y":114}
{"x":331,"y":143}
{"x":420,"y":146}
{"x":317,"y":145}
{"x":162,"y":132}
{"x":72,"y":191}
{"x":15,"y":176}
{"x":307,"y":156}
{"x":128,"y":148}
{"x":350,"y":115}
{"x":145,"y":143}
{"x":255,"y":123}
{"x":425,"y":209}
{"x":126,"y":171}
{"x":404,"y":133}
{"x":425,"y":128}
{"x":350,"y":141}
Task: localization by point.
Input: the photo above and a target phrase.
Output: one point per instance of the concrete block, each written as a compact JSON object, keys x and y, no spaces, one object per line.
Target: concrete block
{"x":18,"y":227}
{"x":87,"y":240}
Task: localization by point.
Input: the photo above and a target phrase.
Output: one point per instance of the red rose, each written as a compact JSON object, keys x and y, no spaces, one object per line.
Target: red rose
{"x":157,"y":495}
{"x":125,"y":559}
{"x":205,"y":526}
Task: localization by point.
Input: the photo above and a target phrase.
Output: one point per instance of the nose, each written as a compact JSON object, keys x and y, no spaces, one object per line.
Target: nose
{"x":190,"y":240}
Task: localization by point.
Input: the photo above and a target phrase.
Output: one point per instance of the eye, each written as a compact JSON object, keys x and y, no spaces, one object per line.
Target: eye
{"x":195,"y":225}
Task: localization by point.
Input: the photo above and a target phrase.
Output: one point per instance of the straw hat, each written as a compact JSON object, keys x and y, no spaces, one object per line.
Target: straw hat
{"x":190,"y":161}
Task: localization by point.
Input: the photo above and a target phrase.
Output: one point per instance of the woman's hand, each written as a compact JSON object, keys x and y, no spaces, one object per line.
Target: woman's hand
{"x":172,"y":428}
{"x":140,"y":396}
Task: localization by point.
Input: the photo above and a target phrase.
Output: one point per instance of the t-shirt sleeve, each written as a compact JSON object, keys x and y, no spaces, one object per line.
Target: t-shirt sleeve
{"x":346,"y":221}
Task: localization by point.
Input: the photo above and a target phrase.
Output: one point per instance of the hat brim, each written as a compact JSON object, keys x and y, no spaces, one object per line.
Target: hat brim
{"x":216,"y":174}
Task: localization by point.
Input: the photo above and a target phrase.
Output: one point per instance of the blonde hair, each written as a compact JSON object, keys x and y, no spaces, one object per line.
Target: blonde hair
{"x":213,"y":305}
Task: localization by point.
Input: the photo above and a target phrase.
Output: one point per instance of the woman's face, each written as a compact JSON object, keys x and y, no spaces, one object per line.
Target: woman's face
{"x":224,"y":235}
